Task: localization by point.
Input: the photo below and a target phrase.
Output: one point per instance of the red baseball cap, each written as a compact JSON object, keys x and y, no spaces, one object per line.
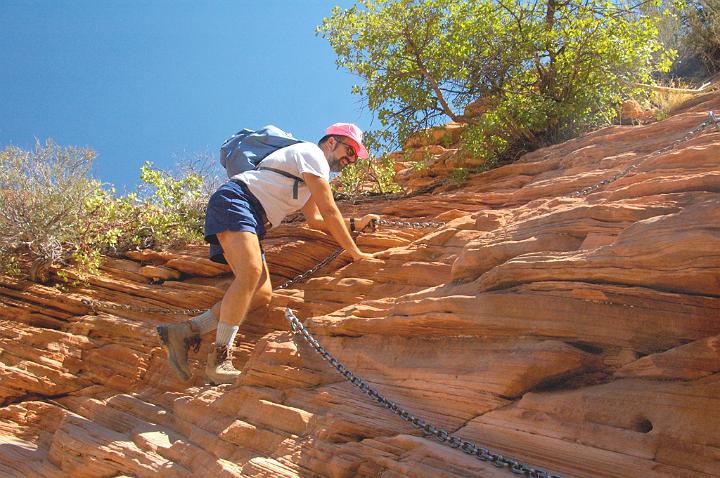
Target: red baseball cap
{"x":353,"y":133}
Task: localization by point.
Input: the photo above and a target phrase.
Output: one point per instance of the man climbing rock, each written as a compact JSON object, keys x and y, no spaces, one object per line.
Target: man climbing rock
{"x":292,"y":178}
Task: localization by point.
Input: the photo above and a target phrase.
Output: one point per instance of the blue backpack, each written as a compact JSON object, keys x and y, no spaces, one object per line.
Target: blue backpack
{"x":244,"y":151}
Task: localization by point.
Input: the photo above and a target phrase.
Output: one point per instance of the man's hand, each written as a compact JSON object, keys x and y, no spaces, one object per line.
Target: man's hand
{"x":363,"y":222}
{"x":358,"y":256}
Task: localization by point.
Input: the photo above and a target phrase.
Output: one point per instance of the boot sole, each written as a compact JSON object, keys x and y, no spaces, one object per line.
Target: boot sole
{"x":214,"y":383}
{"x":220,"y":382}
{"x":162,"y":332}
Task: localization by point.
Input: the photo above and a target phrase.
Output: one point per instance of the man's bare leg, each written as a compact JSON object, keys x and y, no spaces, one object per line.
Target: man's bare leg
{"x":243,"y":254}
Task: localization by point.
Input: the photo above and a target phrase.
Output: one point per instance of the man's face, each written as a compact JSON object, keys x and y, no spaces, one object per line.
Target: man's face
{"x":341,"y":155}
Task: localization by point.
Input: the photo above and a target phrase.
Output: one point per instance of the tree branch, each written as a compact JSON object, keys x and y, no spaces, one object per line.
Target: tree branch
{"x":426,"y":74}
{"x":668,"y":89}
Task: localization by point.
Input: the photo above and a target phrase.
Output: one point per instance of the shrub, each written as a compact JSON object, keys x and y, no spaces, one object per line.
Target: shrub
{"x":458,"y":175}
{"x":168,"y":212}
{"x":424,"y":163}
{"x":206,"y":166}
{"x":175,"y":208}
{"x":382,"y":171}
{"x":42,"y":214}
{"x":354,"y":179}
{"x":351,"y":179}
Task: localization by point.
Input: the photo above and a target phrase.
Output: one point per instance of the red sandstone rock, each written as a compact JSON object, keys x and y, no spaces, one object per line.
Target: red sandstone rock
{"x":150,"y":256}
{"x":631,"y":110}
{"x":448,"y":134}
{"x":160,"y":273}
{"x":686,"y":362}
{"x":197,"y":266}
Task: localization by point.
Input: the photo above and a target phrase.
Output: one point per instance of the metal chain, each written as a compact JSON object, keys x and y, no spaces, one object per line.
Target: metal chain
{"x":413,"y":225}
{"x":443,"y":436}
{"x":372,"y":225}
{"x":309,"y":272}
{"x":712,"y":119}
{"x":96,"y":305}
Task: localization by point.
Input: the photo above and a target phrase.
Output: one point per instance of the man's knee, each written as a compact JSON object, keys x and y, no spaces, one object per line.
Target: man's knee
{"x":263,"y":296}
{"x":252,"y":270}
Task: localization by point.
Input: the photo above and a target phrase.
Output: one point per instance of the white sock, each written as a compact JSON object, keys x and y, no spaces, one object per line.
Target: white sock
{"x":205,"y":322}
{"x":226,"y":334}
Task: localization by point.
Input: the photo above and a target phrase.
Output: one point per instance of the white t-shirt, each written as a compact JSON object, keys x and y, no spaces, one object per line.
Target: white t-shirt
{"x":275,"y":191}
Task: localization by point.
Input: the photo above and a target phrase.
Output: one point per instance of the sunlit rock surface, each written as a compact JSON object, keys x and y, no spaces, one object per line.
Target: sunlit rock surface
{"x":574,"y":330}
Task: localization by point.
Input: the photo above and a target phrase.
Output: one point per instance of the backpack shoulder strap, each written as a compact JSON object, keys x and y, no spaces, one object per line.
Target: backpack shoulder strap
{"x":296,"y":184}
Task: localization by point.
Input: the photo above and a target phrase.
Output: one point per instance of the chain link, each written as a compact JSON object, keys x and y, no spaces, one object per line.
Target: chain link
{"x":712,"y":119}
{"x":443,"y":436}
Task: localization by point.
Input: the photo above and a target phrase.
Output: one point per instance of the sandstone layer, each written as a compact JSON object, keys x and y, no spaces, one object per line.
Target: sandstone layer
{"x":576,"y":329}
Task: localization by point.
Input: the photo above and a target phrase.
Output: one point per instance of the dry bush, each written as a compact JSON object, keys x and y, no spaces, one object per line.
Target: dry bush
{"x":44,"y":195}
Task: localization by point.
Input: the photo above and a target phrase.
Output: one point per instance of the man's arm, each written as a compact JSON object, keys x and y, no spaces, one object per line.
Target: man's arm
{"x":330,"y":219}
{"x":313,"y":216}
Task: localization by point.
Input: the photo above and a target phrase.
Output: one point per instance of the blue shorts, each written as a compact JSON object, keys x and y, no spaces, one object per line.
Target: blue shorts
{"x":232,"y":208}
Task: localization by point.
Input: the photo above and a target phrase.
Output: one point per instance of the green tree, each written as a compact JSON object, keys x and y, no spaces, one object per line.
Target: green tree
{"x":541,"y":70}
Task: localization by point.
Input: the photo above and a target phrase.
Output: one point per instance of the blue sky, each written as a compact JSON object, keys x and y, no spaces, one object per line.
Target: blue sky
{"x":160,"y":80}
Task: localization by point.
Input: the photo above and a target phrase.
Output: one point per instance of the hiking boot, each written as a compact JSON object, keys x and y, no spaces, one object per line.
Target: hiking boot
{"x":177,"y":339}
{"x":219,"y":368}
